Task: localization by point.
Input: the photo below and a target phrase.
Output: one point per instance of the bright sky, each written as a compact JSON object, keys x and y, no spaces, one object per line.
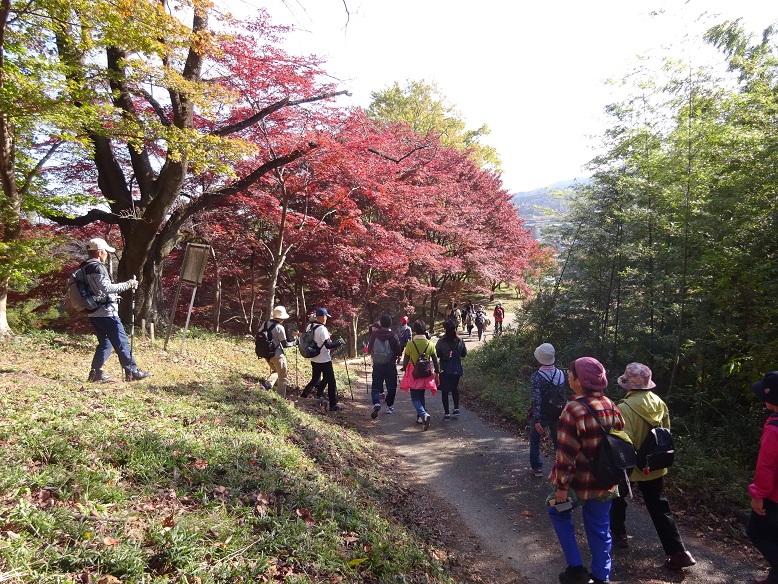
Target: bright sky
{"x":533,"y":72}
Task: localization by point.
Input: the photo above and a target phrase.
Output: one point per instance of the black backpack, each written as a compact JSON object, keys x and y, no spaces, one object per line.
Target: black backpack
{"x":614,"y":458}
{"x":454,"y":363}
{"x":657,"y":451}
{"x":423,"y":366}
{"x":264,"y":346}
{"x":553,"y":397}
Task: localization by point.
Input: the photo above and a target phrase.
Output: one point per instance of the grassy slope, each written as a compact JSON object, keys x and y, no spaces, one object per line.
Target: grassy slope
{"x":195,"y":475}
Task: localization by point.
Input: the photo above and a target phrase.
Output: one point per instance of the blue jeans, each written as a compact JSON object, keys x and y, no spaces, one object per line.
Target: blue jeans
{"x":596,"y":518}
{"x":384,"y":373}
{"x":535,"y":460}
{"x":417,"y":399}
{"x":110,"y":334}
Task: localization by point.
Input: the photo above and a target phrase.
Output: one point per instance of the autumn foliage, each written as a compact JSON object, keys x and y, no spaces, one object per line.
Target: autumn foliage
{"x":240,"y":145}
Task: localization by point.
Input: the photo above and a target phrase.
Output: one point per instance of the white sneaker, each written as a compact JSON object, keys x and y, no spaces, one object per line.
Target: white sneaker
{"x":427,"y":419}
{"x":419,"y":419}
{"x":376,"y":409}
{"x":389,"y":409}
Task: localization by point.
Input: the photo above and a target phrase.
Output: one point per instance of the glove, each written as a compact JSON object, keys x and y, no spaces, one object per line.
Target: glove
{"x":133,"y":283}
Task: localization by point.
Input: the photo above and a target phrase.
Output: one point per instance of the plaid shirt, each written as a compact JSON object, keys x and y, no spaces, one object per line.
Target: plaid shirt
{"x":578,"y":435}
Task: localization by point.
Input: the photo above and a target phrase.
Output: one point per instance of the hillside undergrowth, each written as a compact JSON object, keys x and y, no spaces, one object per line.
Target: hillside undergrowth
{"x":195,"y":475}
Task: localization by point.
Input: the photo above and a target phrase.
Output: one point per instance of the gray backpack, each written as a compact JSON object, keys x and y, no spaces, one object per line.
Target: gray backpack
{"x":382,"y":352}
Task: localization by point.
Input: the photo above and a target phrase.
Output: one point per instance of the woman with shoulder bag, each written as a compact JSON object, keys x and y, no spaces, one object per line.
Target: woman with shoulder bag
{"x":579,"y":432}
{"x":422,"y":371}
{"x":643,"y":410}
{"x":450,"y":350}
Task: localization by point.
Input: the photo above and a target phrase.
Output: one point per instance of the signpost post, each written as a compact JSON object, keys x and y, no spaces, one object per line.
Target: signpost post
{"x":192,"y":271}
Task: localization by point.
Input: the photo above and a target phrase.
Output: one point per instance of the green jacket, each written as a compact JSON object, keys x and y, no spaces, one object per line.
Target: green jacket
{"x":642,"y":410}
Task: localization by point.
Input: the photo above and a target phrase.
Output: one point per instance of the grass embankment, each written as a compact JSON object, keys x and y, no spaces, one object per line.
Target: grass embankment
{"x":194,"y":475}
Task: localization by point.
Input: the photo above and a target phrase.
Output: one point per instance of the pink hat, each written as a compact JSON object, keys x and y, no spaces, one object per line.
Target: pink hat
{"x":590,"y":372}
{"x":636,"y":376}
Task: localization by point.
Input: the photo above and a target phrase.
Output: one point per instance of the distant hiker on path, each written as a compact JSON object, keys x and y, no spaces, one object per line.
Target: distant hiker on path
{"x":480,"y":321}
{"x":105,"y":319}
{"x":422,"y":371}
{"x":469,"y":316}
{"x":277,"y":361}
{"x":548,"y":399}
{"x":499,"y":316}
{"x":578,"y":435}
{"x":384,"y":348}
{"x":323,"y":373}
{"x":643,"y":410}
{"x":762,"y":526}
{"x":454,"y":314}
{"x":450,"y":350}
{"x":404,"y":335}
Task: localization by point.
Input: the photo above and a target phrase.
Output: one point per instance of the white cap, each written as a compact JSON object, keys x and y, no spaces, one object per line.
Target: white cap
{"x":99,"y":244}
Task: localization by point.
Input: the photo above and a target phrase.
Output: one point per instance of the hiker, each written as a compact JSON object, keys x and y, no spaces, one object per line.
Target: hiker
{"x":323,"y":373}
{"x":454,"y":314}
{"x":499,"y":316}
{"x":384,"y":348}
{"x":105,"y":319}
{"x":467,"y":319}
{"x":578,"y":434}
{"x":643,"y":410}
{"x":762,"y":527}
{"x":480,"y":320}
{"x":450,"y":350}
{"x":420,"y":350}
{"x":404,"y":335}
{"x":277,"y":362}
{"x":544,"y":382}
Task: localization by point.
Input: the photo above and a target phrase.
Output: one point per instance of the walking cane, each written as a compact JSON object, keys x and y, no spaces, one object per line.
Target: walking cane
{"x":132,"y":318}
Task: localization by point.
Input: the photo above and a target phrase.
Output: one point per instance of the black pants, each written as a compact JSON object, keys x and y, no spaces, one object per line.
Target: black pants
{"x":449,"y":384}
{"x":323,"y":374}
{"x":762,"y":530}
{"x":659,"y":510}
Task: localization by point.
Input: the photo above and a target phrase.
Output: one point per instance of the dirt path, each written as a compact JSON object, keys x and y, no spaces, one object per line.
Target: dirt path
{"x":480,"y":472}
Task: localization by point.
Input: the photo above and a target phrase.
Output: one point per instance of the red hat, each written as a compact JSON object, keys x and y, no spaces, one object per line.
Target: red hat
{"x":404,"y":320}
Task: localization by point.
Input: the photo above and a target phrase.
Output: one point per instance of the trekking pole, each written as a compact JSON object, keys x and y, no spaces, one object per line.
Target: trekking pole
{"x":348,"y":377}
{"x":132,"y":318}
{"x":364,"y":362}
{"x":296,"y":368}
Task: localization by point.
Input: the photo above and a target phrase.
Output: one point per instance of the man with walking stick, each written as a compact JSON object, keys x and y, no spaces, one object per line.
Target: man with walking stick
{"x":323,"y":373}
{"x":105,"y":318}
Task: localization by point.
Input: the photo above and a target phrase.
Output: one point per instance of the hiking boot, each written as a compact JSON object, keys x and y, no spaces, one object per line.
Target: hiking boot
{"x":426,"y":422}
{"x":455,"y":413}
{"x":620,"y":540}
{"x":574,"y":575}
{"x":136,"y":375}
{"x":305,"y":393}
{"x":536,"y":472}
{"x":376,"y":409}
{"x":97,"y":376}
{"x":389,"y":409}
{"x":680,"y":560}
{"x":336,"y":408}
{"x":447,"y":417}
